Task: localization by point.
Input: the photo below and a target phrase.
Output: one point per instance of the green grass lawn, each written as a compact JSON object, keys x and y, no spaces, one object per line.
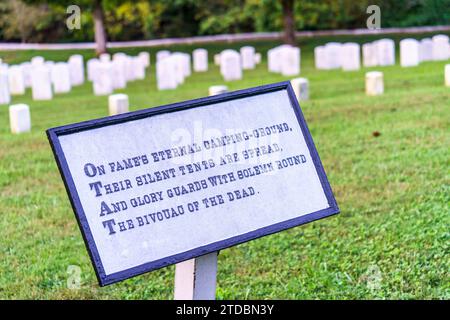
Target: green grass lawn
{"x":393,"y":191}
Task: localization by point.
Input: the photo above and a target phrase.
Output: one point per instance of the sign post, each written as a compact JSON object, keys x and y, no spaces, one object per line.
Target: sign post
{"x":195,"y":279}
{"x":177,"y":183}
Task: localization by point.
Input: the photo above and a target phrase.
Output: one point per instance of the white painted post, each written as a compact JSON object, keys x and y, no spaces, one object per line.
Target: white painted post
{"x":195,"y":279}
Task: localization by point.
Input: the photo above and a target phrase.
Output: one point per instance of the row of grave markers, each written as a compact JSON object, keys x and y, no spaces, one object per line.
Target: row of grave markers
{"x":347,"y":56}
{"x":173,"y":68}
{"x":46,"y":78}
{"x":43,"y":77}
{"x":111,"y":73}
{"x":20,"y":120}
{"x":107,"y":73}
{"x":413,"y":52}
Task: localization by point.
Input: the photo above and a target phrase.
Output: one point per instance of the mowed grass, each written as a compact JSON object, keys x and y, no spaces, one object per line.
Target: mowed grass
{"x":389,"y":242}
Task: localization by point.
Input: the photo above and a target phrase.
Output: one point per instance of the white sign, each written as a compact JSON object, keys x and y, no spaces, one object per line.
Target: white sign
{"x":159,"y":186}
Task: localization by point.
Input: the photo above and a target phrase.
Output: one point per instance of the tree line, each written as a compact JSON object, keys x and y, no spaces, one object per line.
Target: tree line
{"x":122,"y":20}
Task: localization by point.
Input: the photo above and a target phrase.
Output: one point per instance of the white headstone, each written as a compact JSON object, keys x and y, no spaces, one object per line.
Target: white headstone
{"x":122,"y":60}
{"x":118,"y":67}
{"x":385,"y":52}
{"x":333,"y":53}
{"x":49,"y":64}
{"x":118,"y":104}
{"x":162,"y":54}
{"x":177,"y":60}
{"x":102,"y":84}
{"x":5,"y":96}
{"x":426,"y":50}
{"x":119,"y":55}
{"x":441,"y":47}
{"x":290,"y":61}
{"x":374,"y":83}
{"x":273,"y":64}
{"x":41,"y":83}
{"x":200,"y":57}
{"x":274,"y":58}
{"x":257,"y":58}
{"x":145,"y":58}
{"x":138,"y":68}
{"x":166,"y":74}
{"x":320,"y":58}
{"x":213,"y":90}
{"x":217,"y":59}
{"x":351,"y":57}
{"x":130,"y":75}
{"x":16,"y":80}
{"x":447,"y":75}
{"x":370,"y":54}
{"x":409,"y":52}
{"x":186,"y":64}
{"x":230,"y":65}
{"x":247,"y":57}
{"x":26,"y":70}
{"x":61,"y":80}
{"x":76,"y":68}
{"x":301,"y":88}
{"x":19,"y":118}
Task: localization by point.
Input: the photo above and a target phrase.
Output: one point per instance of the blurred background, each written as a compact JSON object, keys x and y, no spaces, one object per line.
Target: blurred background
{"x":44,"y":21}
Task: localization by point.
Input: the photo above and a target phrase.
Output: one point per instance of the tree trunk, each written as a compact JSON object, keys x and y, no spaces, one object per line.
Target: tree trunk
{"x":288,"y":21}
{"x":99,"y":27}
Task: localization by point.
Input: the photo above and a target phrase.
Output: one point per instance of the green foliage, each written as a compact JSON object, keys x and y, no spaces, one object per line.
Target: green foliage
{"x":146,"y":19}
{"x":19,"y":21}
{"x":416,"y":13}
